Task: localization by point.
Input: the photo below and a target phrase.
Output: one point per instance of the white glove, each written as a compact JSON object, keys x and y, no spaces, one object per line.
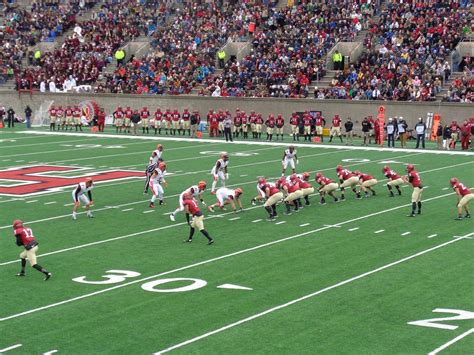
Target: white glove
{"x":203,"y":203}
{"x":227,"y":176}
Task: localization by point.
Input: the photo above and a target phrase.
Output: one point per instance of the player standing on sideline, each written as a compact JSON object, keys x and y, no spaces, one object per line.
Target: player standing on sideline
{"x":294,"y":120}
{"x":145,"y":115}
{"x":289,"y":158}
{"x":69,"y":118}
{"x":219,"y":171}
{"x":319,"y":122}
{"x":195,"y":121}
{"x":270,"y":123}
{"x":196,"y":192}
{"x":237,"y":124}
{"x":52,"y":118}
{"x":155,"y":158}
{"x":327,"y":186}
{"x":279,"y":122}
{"x":258,"y":125}
{"x":225,"y":196}
{"x":191,"y":207}
{"x":336,"y":128}
{"x":347,"y":179}
{"x":176,"y":117}
{"x":252,"y":119}
{"x":273,"y":195}
{"x":245,"y":125}
{"x":118,"y":119}
{"x":76,"y":116}
{"x":158,"y":120}
{"x":157,"y":179}
{"x":366,"y":182}
{"x":168,"y":116}
{"x":79,"y":194}
{"x":307,"y":121}
{"x":395,"y":180}
{"x":186,"y":122}
{"x":24,"y":238}
{"x":127,"y":122}
{"x":464,"y":195}
{"x":60,"y":118}
{"x":414,"y":179}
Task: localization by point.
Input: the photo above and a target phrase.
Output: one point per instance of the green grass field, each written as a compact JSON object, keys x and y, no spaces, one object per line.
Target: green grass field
{"x":344,"y":278}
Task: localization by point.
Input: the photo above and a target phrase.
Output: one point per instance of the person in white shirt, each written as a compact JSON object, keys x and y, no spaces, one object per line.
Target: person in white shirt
{"x":79,"y":195}
{"x":156,"y":181}
{"x":155,"y":158}
{"x":289,"y":158}
{"x":195,"y":192}
{"x":219,"y":171}
{"x":227,"y":196}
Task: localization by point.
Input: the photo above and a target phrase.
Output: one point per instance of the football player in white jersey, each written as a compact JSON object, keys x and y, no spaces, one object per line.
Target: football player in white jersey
{"x":289,"y":158}
{"x":79,"y":195}
{"x":155,"y":158}
{"x":157,"y":179}
{"x":261,"y":196}
{"x":219,"y":171}
{"x":194,"y":191}
{"x":227,"y":196}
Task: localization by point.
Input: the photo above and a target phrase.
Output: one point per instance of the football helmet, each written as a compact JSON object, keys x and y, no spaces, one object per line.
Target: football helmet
{"x":339,"y":167}
{"x":202,"y":185}
{"x":162,"y":166}
{"x":159,"y":147}
{"x":17,"y":223}
{"x":453,"y":181}
{"x":410,"y":167}
{"x":319,"y":175}
{"x":305,"y":176}
{"x":238,"y":191}
{"x":225,"y":156}
{"x":262,"y":181}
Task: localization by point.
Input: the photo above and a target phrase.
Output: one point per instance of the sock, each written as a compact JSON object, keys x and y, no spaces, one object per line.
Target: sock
{"x":206,"y":234}
{"x":287,"y":205}
{"x":23,"y":264}
{"x":214,"y":183}
{"x":40,"y":269}
{"x":413,"y":207}
{"x":191,"y":233}
{"x":274,"y":209}
{"x":399,"y":191}
{"x":153,"y":198}
{"x":269,"y":210}
{"x":306,"y":198}
{"x":419,"y":207}
{"x":187,"y":217}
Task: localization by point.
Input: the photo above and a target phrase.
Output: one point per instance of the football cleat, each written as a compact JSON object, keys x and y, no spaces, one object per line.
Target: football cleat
{"x":187,"y":241}
{"x":213,"y":192}
{"x":459,"y":218}
{"x":411,"y":215}
{"x":90,"y":215}
{"x":152,"y":205}
{"x":270,"y":219}
{"x":210,"y":242}
{"x":48,"y":276}
{"x":21,"y":274}
{"x":74,"y":217}
{"x":210,"y":208}
{"x":172,"y":217}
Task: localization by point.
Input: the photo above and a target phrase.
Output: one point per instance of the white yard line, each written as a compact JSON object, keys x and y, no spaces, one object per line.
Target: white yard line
{"x":243,"y":251}
{"x":451,"y":342}
{"x":406,"y":233}
{"x":304,"y":224}
{"x":10,"y":348}
{"x":353,"y":229}
{"x":379,"y":231}
{"x":308,"y":296}
{"x":278,"y":144}
{"x":281,"y":222}
{"x":50,"y":203}
{"x":432,"y":235}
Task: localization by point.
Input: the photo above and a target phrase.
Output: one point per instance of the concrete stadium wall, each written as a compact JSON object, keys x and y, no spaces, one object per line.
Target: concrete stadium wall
{"x":357,"y":110}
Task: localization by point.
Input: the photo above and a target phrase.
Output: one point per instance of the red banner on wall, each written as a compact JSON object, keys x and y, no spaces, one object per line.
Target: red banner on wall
{"x":381,"y":119}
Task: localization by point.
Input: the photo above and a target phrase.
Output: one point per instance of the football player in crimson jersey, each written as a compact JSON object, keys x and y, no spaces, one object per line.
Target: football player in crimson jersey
{"x":261,"y":183}
{"x":294,"y":121}
{"x":196,"y":192}
{"x":336,"y":128}
{"x":273,"y":195}
{"x":145,"y":115}
{"x":118,"y":119}
{"x":219,"y":171}
{"x":258,"y":126}
{"x":168,"y":118}
{"x":76,"y":116}
{"x":191,"y":207}
{"x":186,"y":116}
{"x":52,"y":118}
{"x":270,"y":123}
{"x":128,"y":119}
{"x":347,"y":179}
{"x":366,"y":182}
{"x":245,"y":125}
{"x":24,"y":238}
{"x":227,"y":196}
{"x":394,"y":180}
{"x":414,"y":179}
{"x":305,"y":186}
{"x":175,"y":121}
{"x":327,"y":186}
{"x":307,"y":121}
{"x":158,"y":120}
{"x":279,"y":122}
{"x":293,"y":194}
{"x":464,"y":195}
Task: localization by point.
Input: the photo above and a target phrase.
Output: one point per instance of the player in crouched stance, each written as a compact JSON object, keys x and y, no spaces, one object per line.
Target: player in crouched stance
{"x":366,"y":183}
{"x":306,"y":188}
{"x":24,"y":238}
{"x":227,"y":196}
{"x":196,"y":192}
{"x":414,"y":179}
{"x":79,"y":194}
{"x":292,"y":192}
{"x":274,"y":196}
{"x":395,"y":180}
{"x":157,"y":179}
{"x":191,"y":207}
{"x":327,"y":186}
{"x":464,"y":195}
{"x":219,"y":171}
{"x":260,"y":197}
{"x":347,"y":179}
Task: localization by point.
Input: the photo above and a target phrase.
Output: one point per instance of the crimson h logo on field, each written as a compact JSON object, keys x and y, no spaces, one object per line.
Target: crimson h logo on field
{"x":40,"y":179}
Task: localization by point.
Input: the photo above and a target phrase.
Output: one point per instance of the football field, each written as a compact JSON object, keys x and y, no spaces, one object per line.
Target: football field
{"x":353,"y":277}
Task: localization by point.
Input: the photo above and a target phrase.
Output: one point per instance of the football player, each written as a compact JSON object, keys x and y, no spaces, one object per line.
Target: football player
{"x":158,"y":120}
{"x":79,"y":194}
{"x":145,"y":115}
{"x":52,"y":118}
{"x":347,"y":179}
{"x":327,"y":186}
{"x":305,"y":186}
{"x":279,"y":122}
{"x":196,"y":192}
{"x":414,"y":179}
{"x":273,"y":195}
{"x":157,"y":179}
{"x":289,"y":158}
{"x":219,"y":171}
{"x":292,"y":193}
{"x":76,"y":116}
{"x":464,"y":195}
{"x":118,"y":119}
{"x":260,"y":191}
{"x":394,"y":180}
{"x":25,"y":238}
{"x":366,"y":182}
{"x":227,"y":196}
{"x":128,"y":119}
{"x":191,"y":207}
{"x":155,"y":158}
{"x":335,"y":128}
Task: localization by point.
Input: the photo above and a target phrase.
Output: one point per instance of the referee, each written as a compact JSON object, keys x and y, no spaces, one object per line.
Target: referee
{"x":228,"y":127}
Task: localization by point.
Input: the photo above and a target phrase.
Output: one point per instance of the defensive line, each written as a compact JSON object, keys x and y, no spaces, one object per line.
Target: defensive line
{"x":243,"y":251}
{"x":281,"y":144}
{"x":306,"y":297}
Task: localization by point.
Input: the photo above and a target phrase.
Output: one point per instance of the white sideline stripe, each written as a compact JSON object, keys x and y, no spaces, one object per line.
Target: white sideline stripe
{"x":10,"y":348}
{"x":128,"y":209}
{"x":353,"y":229}
{"x":250,"y":182}
{"x":379,"y":231}
{"x":432,"y":235}
{"x":256,"y":220}
{"x":281,"y":222}
{"x":304,"y":224}
{"x":31,"y":201}
{"x":451,"y":342}
{"x":233,"y":219}
{"x":196,"y":264}
{"x":406,"y":233}
{"x":150,"y":211}
{"x":308,"y":296}
{"x":50,"y":203}
{"x":281,"y":144}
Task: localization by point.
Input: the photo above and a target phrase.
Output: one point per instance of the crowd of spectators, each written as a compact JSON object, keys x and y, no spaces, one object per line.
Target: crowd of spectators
{"x":407,"y":53}
{"x":183,"y":50}
{"x":289,"y":48}
{"x":462,"y":88}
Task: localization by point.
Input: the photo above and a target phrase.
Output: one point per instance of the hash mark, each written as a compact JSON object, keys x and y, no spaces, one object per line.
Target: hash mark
{"x":150,"y":211}
{"x":257,"y":220}
{"x":406,"y":233}
{"x":304,"y":224}
{"x":127,"y":209}
{"x":31,"y":201}
{"x":281,"y":222}
{"x":353,"y":229}
{"x":233,"y":219}
{"x":432,"y":235}
{"x":49,"y":203}
{"x":379,"y":231}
